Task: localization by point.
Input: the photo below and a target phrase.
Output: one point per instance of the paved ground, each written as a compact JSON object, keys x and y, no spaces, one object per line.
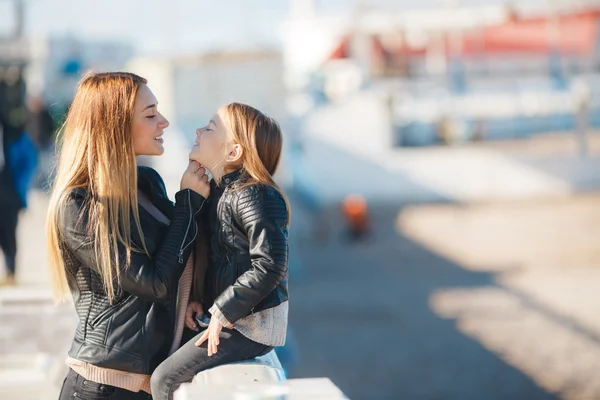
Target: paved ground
{"x":411,"y":313}
{"x":34,"y":334}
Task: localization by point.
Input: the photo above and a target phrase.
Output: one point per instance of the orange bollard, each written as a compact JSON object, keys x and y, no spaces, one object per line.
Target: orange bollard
{"x":355,"y":212}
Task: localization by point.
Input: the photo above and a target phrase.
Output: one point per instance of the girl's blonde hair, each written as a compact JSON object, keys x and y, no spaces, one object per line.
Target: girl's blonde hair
{"x":262,"y":140}
{"x":96,"y":154}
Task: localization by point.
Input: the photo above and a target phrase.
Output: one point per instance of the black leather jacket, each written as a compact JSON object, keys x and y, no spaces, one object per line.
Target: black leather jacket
{"x":248,"y":257}
{"x":134,"y":333}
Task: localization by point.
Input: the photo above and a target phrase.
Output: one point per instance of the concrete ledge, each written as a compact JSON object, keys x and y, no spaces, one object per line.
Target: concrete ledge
{"x":265,"y":369}
{"x":258,"y":379}
{"x":25,"y":295}
{"x":294,"y":389}
{"x":261,"y":370}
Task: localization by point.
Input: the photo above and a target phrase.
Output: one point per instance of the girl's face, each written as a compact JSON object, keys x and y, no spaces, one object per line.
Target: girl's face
{"x":148,"y":124}
{"x":213,"y":143}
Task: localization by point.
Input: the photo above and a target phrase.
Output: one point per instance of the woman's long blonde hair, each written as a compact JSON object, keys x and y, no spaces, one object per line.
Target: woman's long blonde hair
{"x":96,"y":154}
{"x":262,"y":140}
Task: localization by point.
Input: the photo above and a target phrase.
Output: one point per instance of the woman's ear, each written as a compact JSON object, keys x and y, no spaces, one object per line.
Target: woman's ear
{"x":236,"y":152}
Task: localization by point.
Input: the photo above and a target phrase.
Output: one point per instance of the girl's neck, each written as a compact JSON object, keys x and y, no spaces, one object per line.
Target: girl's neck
{"x":218,"y":175}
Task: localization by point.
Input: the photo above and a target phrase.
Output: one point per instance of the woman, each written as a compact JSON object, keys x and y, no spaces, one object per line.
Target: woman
{"x":248,"y":217}
{"x":121,"y":263}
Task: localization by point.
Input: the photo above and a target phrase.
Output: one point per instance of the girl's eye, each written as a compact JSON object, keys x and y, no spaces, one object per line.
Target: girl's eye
{"x":151,"y":116}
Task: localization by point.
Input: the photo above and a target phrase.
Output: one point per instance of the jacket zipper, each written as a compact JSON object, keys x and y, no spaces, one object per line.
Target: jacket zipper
{"x":182,"y":248}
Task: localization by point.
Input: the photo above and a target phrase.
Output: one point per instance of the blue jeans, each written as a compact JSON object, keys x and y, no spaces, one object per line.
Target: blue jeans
{"x":186,"y":362}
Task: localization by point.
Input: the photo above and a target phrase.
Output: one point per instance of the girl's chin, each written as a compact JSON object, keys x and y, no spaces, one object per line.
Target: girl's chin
{"x":194,"y":154}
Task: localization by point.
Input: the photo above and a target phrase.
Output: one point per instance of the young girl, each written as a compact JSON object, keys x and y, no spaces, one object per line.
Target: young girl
{"x":247,"y":221}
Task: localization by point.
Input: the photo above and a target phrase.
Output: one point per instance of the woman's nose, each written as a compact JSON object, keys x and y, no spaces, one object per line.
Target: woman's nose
{"x":164,"y":123}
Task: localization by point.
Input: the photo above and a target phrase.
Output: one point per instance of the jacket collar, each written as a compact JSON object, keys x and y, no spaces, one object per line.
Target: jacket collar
{"x":231,"y":177}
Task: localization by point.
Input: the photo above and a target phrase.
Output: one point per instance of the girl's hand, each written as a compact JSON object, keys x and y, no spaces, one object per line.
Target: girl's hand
{"x":212,"y":334}
{"x":195,"y":178}
{"x":193,"y":308}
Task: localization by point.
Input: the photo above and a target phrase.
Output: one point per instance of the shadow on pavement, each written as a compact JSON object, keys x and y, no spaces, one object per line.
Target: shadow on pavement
{"x":361,"y":315}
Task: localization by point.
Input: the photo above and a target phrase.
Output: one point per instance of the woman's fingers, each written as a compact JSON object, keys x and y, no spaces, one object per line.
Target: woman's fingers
{"x":193,"y":166}
{"x":200,"y":172}
{"x":189,"y":319}
{"x":195,"y":178}
{"x":190,"y":326}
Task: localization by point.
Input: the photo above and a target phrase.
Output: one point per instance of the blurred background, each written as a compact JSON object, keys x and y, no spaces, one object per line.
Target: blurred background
{"x":442,"y":160}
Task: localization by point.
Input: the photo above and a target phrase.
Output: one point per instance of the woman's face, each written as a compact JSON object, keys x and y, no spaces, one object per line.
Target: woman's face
{"x":148,"y":124}
{"x":210,"y":148}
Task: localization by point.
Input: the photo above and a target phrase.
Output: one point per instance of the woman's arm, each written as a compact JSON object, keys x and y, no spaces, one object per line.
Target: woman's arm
{"x":155,"y":278}
{"x":262,"y":212}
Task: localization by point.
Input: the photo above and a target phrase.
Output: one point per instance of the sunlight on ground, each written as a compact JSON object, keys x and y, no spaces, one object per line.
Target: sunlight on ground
{"x":542,"y":317}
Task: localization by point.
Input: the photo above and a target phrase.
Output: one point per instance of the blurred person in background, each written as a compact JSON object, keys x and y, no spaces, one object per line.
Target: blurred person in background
{"x":10,"y":205}
{"x":116,"y":243}
{"x":40,"y":124}
{"x":41,"y":128}
{"x":18,"y":163}
{"x":246,"y":280}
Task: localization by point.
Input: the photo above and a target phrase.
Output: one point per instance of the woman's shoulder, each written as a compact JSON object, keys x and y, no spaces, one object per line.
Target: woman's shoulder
{"x":76,"y":198}
{"x":149,"y":176}
{"x":74,"y":212}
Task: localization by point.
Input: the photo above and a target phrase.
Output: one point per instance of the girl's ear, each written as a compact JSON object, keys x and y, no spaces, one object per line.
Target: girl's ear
{"x":236,"y":152}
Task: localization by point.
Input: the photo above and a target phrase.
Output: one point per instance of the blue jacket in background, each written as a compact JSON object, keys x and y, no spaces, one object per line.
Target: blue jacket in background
{"x":22,"y":161}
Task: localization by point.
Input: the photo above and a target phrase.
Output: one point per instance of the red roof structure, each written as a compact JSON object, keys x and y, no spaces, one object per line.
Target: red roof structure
{"x":577,"y":33}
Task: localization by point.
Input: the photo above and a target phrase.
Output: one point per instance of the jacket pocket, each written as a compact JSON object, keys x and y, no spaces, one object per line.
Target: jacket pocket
{"x":106,"y":314}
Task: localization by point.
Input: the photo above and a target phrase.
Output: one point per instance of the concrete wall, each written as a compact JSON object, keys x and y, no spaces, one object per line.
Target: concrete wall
{"x":202,"y":86}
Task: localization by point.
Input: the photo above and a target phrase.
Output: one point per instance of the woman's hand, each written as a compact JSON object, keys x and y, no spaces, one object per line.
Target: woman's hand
{"x":195,"y":178}
{"x":193,"y":308}
{"x":212,"y":334}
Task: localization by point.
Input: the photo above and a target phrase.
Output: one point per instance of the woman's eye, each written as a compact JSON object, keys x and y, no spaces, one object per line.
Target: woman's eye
{"x":151,"y":116}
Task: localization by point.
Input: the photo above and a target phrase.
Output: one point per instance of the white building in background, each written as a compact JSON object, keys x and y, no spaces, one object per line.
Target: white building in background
{"x":191,"y":88}
{"x":55,"y":64}
{"x":308,"y":39}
